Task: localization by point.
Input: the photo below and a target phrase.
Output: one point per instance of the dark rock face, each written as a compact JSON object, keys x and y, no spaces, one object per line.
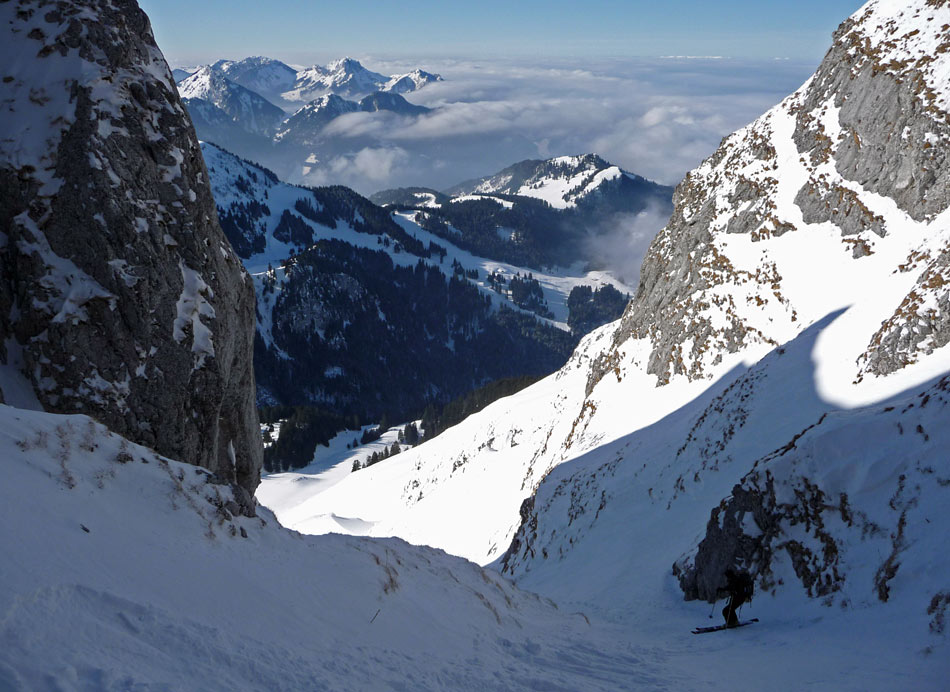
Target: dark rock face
{"x":117,"y":282}
{"x":795,"y":507}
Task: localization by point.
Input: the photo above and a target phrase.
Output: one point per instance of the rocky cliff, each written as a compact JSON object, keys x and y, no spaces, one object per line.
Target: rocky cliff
{"x":871,"y":124}
{"x":120,"y":295}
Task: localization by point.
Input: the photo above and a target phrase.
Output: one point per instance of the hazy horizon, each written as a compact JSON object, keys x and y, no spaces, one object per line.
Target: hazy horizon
{"x":318,"y":31}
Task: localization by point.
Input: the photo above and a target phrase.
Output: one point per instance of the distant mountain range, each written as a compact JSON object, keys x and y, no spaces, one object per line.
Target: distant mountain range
{"x":247,"y":109}
{"x":347,"y":77}
{"x":281,"y":84}
{"x":266,"y":76}
{"x":264,"y":110}
{"x":304,"y":126}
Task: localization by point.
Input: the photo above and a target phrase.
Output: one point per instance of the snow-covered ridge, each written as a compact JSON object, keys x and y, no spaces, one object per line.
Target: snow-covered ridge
{"x":239,"y":184}
{"x":563,"y":182}
{"x":815,"y":202}
{"x":346,"y":77}
{"x":305,"y":125}
{"x":266,"y":76}
{"x":779,"y":249}
{"x":251,"y":110}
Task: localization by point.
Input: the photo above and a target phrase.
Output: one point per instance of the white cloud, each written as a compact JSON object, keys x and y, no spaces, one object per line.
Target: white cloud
{"x":623,"y":240}
{"x":373,"y":165}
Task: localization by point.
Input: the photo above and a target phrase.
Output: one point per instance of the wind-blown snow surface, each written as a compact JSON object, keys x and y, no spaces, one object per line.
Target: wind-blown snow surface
{"x":125,"y":570}
{"x":749,"y":378}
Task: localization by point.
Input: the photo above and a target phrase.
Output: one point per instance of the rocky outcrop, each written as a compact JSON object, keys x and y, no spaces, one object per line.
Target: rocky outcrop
{"x":883,"y":74}
{"x":871,"y":121}
{"x":118,"y":284}
{"x":920,"y":325}
{"x":833,"y":517}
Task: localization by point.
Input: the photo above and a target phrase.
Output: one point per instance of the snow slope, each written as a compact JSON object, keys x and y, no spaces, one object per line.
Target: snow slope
{"x":330,"y":465}
{"x":126,"y":570}
{"x":145,"y":580}
{"x":751,"y":407}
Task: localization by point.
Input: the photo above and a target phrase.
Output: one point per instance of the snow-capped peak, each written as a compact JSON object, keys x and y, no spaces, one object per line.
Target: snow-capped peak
{"x":348,"y":65}
{"x":250,"y":109}
{"x":411,"y":81}
{"x":266,"y":76}
{"x":562,"y":182}
{"x":349,"y":78}
{"x":201,"y":83}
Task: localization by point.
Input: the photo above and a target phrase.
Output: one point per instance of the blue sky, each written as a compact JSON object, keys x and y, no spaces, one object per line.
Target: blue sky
{"x":307,"y":31}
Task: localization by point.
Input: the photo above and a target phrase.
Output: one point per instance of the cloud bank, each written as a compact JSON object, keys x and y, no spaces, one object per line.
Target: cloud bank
{"x":655,"y":117}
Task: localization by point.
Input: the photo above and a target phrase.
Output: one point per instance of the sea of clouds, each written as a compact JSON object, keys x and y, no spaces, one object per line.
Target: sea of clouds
{"x":657,"y":117}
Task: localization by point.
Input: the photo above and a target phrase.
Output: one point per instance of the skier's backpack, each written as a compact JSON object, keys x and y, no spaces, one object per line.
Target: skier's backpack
{"x":746,"y":586}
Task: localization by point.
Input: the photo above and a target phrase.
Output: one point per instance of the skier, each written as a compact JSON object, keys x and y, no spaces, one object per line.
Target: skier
{"x":739,"y":588}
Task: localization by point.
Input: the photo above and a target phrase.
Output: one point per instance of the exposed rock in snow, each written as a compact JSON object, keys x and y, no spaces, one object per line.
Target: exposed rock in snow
{"x":845,"y":153}
{"x":831,"y":520}
{"x":106,"y":212}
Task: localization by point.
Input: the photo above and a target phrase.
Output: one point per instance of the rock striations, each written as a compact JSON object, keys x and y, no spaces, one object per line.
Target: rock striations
{"x":120,"y":296}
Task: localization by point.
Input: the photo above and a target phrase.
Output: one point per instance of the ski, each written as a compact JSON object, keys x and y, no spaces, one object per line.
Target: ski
{"x":717,"y":628}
